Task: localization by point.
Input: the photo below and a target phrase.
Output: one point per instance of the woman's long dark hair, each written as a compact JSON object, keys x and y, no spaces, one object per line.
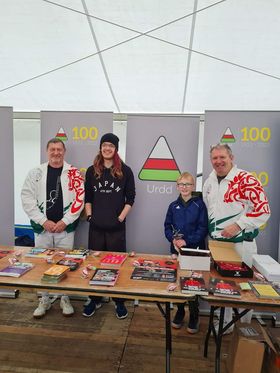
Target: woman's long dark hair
{"x":98,"y":166}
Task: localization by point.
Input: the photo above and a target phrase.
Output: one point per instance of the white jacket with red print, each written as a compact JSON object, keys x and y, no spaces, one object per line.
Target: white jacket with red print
{"x":33,"y":196}
{"x":238,"y":198}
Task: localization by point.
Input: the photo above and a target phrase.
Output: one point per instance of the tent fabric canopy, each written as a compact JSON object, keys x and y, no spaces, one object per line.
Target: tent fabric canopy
{"x":140,"y":56}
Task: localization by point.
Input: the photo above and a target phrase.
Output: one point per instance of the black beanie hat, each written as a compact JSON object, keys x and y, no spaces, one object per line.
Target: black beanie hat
{"x":110,"y":137}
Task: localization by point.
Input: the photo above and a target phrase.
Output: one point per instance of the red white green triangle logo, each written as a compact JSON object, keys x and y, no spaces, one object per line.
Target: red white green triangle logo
{"x":227,"y":136}
{"x":160,"y":165}
{"x":61,"y":135}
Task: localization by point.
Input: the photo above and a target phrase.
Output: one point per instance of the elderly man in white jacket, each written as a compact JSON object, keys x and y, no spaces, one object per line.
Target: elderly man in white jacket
{"x":53,"y":198}
{"x":237,"y":207}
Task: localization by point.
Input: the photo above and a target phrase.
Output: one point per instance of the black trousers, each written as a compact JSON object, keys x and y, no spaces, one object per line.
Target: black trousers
{"x":107,"y":241}
{"x":193,"y":306}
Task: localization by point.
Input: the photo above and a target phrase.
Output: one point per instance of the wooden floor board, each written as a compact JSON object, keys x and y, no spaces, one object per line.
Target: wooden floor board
{"x":100,"y":344}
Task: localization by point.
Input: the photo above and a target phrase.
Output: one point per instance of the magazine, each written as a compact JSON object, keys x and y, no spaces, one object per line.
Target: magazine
{"x":156,"y":263}
{"x":193,"y":285}
{"x":154,"y":274}
{"x":113,"y":259}
{"x":223,"y":288}
{"x":72,"y":263}
{"x":264,"y":290}
{"x":77,"y":253}
{"x":16,"y":269}
{"x":107,"y":277}
{"x":56,"y":270}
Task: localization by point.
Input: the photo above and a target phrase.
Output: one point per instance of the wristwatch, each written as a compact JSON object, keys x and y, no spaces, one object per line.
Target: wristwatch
{"x":89,"y":218}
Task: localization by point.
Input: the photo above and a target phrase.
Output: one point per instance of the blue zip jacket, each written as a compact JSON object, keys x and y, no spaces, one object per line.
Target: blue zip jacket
{"x":190,"y":219}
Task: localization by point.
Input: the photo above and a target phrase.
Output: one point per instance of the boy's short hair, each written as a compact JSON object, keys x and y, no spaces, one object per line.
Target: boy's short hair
{"x":184,"y":175}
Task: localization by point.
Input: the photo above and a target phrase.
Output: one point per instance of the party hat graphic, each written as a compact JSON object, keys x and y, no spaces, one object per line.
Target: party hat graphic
{"x":227,"y":136}
{"x":160,"y":165}
{"x":61,"y":134}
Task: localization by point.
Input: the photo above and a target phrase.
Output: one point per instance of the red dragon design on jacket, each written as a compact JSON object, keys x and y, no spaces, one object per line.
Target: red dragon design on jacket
{"x":76,"y":184}
{"x":245,"y":187}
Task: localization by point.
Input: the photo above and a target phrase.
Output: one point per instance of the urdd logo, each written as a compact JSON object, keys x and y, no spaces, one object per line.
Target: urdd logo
{"x":61,"y":134}
{"x":227,"y":136}
{"x":160,"y":165}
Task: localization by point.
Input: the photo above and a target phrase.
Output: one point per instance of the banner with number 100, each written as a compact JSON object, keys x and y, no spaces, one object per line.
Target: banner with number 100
{"x":254,"y":139}
{"x":81,"y":133}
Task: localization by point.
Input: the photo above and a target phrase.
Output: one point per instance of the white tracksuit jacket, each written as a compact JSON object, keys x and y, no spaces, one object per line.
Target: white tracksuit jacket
{"x":33,"y":196}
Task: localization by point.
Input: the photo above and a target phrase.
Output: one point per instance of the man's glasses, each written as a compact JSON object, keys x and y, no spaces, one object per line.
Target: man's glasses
{"x":184,"y":185}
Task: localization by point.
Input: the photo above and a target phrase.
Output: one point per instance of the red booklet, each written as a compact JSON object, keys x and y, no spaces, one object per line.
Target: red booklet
{"x":4,"y":253}
{"x":113,"y":259}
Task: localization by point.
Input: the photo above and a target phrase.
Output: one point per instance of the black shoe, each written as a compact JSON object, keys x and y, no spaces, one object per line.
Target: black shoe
{"x":121,"y":311}
{"x":90,"y":307}
{"x":178,"y":320}
{"x":193,"y":325}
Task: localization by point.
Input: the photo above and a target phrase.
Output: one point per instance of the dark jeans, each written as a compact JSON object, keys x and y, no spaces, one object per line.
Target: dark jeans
{"x":107,"y":241}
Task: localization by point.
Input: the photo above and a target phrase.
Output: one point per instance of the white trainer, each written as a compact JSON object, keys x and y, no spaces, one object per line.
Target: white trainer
{"x":65,"y":305}
{"x":44,"y":305}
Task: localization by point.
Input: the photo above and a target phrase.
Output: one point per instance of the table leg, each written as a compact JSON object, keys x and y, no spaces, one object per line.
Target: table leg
{"x":168,"y":336}
{"x":210,"y":326}
{"x":219,"y":340}
{"x":218,"y":336}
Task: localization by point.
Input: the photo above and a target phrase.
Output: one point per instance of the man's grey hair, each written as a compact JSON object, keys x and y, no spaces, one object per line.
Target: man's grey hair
{"x":221,"y":146}
{"x":55,"y":141}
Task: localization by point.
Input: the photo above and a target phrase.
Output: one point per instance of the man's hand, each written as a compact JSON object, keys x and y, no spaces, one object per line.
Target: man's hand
{"x":59,"y":227}
{"x":230,"y":231}
{"x":49,"y":226}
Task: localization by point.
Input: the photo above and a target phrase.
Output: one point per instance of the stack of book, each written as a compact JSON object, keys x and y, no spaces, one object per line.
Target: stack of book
{"x":107,"y":277}
{"x":115,"y":260}
{"x":55,"y":274}
{"x":77,"y":253}
{"x":265,"y":290}
{"x":16,"y":270}
{"x":40,"y":252}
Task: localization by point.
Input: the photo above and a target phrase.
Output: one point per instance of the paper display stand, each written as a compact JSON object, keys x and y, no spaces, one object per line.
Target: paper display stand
{"x":194,"y":259}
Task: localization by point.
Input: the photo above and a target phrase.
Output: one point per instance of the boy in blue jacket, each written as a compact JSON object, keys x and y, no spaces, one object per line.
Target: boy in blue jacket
{"x":186,"y":225}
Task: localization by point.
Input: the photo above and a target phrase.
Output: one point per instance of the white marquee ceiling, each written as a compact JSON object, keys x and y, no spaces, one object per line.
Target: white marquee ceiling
{"x":140,"y":56}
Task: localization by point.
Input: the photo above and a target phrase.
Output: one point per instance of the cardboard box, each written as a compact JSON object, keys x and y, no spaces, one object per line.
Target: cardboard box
{"x":224,"y":252}
{"x":271,"y":362}
{"x":247,"y":272}
{"x":247,"y":349}
{"x":267,"y":266}
{"x":190,"y":259}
